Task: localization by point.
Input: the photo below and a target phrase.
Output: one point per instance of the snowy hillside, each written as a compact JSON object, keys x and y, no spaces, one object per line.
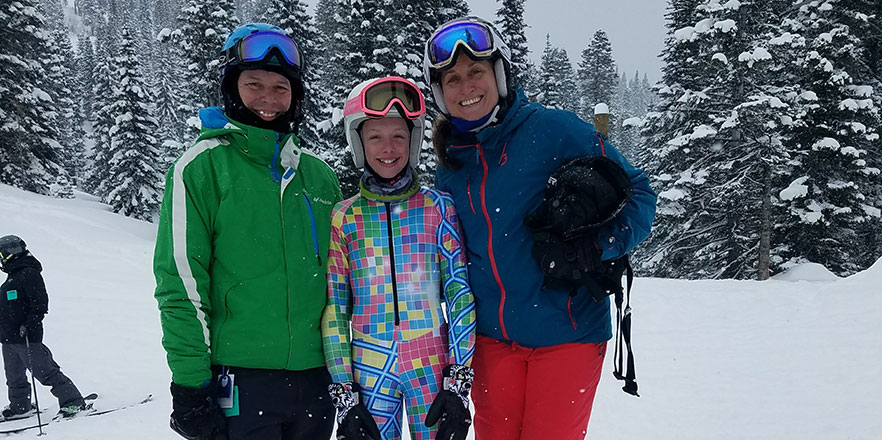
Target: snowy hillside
{"x":798,"y":357}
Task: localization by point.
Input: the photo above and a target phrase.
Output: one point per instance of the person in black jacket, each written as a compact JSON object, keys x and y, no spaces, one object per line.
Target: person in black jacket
{"x":23,"y":303}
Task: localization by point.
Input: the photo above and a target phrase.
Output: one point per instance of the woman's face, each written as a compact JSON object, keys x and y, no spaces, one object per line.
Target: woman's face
{"x":386,"y":145}
{"x":267,"y":94}
{"x":469,"y":88}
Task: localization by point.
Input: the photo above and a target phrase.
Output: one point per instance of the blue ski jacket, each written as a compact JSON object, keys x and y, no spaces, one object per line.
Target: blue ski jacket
{"x":502,"y":178}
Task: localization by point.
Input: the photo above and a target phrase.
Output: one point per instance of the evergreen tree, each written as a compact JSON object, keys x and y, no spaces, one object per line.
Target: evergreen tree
{"x":66,"y":122}
{"x":331,"y":143}
{"x":203,"y":27}
{"x":513,"y":28}
{"x":625,"y":138}
{"x":351,"y":43}
{"x":557,"y":87}
{"x":567,"y":78}
{"x":250,"y":11}
{"x":597,"y":77}
{"x":447,"y":10}
{"x":62,"y":122}
{"x":135,"y":177}
{"x":828,"y":202}
{"x":531,"y":81}
{"x":92,"y":13}
{"x":30,"y":158}
{"x":714,"y":142}
{"x":83,"y":65}
{"x":291,"y":16}
{"x":102,"y":89}
{"x":173,"y":133}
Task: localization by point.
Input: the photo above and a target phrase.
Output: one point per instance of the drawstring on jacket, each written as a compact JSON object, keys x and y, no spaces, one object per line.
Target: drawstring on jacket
{"x":315,"y":243}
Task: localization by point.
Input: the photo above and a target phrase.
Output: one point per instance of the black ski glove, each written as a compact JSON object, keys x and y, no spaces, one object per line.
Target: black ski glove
{"x":196,"y":414}
{"x":354,"y":422}
{"x":451,"y":404}
{"x":23,"y":330}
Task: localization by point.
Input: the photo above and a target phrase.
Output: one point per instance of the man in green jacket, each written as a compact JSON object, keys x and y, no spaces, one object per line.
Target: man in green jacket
{"x":240,"y":257}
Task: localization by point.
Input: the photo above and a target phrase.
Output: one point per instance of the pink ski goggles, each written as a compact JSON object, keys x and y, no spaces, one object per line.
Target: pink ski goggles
{"x":378,"y":97}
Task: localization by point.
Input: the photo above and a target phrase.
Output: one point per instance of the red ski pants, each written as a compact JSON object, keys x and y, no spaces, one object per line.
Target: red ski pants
{"x":534,"y":394}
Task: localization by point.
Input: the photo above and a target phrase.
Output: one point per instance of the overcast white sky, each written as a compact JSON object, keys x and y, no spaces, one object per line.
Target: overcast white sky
{"x":635,"y":28}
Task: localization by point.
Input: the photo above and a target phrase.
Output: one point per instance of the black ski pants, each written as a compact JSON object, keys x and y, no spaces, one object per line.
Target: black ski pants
{"x":281,"y":405}
{"x":16,"y":361}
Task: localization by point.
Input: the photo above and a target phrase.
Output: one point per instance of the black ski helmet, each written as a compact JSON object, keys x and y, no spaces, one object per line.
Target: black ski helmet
{"x":273,"y":61}
{"x":10,"y":246}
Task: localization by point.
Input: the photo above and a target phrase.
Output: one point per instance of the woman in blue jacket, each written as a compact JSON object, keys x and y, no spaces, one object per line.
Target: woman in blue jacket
{"x":539,"y":352}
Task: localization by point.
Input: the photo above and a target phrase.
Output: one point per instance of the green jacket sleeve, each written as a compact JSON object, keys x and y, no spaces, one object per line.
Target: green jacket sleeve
{"x":181,"y":268}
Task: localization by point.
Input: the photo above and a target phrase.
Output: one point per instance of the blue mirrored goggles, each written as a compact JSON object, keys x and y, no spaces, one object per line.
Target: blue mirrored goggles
{"x":255,"y":48}
{"x":474,"y":36}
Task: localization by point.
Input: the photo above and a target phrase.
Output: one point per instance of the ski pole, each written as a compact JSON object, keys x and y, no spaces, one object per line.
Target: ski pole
{"x":34,"y":384}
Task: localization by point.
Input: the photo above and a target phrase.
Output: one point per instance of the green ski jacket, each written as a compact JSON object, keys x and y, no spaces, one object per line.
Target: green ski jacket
{"x":241,"y":251}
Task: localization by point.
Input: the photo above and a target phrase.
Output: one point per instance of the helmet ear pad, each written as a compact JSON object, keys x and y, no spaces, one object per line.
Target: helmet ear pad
{"x":438,"y":93}
{"x":353,"y":138}
{"x":501,"y":75}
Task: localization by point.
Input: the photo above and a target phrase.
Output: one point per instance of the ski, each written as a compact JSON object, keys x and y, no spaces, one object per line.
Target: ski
{"x":33,"y":413}
{"x":87,"y":413}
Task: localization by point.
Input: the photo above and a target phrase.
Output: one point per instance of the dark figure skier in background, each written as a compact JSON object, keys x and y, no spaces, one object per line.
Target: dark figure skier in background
{"x":23,"y":303}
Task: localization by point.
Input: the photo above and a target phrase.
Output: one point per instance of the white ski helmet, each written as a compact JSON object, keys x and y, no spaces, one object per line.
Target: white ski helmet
{"x":391,"y":96}
{"x":476,"y":38}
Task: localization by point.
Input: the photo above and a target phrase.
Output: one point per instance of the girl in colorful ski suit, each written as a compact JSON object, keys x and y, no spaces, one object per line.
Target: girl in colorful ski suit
{"x":395,"y":255}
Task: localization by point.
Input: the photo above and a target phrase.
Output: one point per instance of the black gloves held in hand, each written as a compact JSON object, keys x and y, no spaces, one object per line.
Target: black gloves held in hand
{"x":354,"y":422}
{"x":196,"y":414}
{"x":451,"y":404}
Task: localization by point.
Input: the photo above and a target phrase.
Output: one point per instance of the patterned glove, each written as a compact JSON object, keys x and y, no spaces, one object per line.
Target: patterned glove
{"x":354,"y":422}
{"x":451,"y":404}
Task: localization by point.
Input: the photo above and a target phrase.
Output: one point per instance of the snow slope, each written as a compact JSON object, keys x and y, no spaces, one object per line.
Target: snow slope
{"x":798,"y":357}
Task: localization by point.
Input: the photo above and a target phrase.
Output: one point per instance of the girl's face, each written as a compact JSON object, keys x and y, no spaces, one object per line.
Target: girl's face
{"x":469,"y":88}
{"x":386,"y":145}
{"x":267,"y":94}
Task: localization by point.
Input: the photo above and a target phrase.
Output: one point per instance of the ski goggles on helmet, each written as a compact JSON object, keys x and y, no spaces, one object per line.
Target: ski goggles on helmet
{"x":378,"y":97}
{"x":255,"y":47}
{"x":474,"y":36}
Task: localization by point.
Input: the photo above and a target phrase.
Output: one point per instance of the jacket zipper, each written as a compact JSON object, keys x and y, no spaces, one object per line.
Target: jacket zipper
{"x":283,"y":184}
{"x":392,"y":262}
{"x":490,"y":241}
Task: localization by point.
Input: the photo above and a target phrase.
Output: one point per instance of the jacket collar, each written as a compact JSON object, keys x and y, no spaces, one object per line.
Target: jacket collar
{"x":22,"y":261}
{"x":280,"y":152}
{"x":520,"y":109}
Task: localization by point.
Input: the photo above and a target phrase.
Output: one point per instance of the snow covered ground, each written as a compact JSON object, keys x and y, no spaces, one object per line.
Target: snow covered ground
{"x":798,"y":357}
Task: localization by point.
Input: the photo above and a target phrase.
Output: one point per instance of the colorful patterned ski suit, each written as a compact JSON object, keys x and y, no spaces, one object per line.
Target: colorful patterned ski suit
{"x":401,"y":338}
